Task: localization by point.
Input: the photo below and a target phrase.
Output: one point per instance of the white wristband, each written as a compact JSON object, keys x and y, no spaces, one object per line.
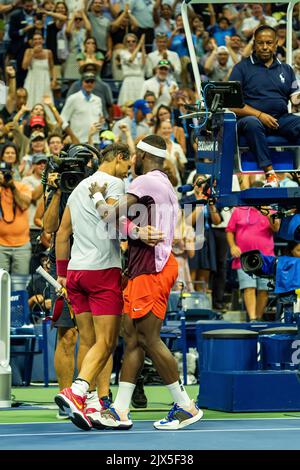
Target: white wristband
{"x":97,"y":197}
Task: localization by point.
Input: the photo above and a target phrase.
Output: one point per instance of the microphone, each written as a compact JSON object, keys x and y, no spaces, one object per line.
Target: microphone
{"x":185,"y":188}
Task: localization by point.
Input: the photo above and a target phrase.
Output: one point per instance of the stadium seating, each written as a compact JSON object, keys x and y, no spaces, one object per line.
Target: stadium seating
{"x":25,"y":341}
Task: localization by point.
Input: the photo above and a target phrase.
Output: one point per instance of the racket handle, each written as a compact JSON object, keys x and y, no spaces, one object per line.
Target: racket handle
{"x":48,"y":278}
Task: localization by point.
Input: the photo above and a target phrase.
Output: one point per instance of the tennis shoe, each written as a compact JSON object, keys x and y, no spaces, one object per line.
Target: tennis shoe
{"x":179,"y":417}
{"x":93,"y":408}
{"x":74,"y":405}
{"x":114,"y":419}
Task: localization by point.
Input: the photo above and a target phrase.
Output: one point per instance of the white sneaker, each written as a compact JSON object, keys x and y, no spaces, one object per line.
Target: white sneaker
{"x":179,"y":417}
{"x":114,"y":419}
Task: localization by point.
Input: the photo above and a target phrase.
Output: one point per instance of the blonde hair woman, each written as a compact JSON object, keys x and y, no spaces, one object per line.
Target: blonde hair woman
{"x":132,"y":60}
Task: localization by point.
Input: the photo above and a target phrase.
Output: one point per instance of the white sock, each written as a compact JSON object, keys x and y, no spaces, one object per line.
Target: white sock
{"x":179,"y":394}
{"x":80,"y":387}
{"x":124,"y":394}
{"x":91,"y":394}
{"x":92,"y":397}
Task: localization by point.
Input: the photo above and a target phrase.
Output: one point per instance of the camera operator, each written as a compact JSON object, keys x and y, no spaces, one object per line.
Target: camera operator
{"x":248,"y":229}
{"x":15,"y":199}
{"x":64,"y":362}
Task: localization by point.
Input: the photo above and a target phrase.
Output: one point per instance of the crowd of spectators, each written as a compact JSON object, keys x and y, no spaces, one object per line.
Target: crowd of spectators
{"x":104,"y":71}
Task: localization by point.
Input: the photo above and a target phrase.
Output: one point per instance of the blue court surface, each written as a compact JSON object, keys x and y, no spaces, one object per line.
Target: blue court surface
{"x":211,"y":434}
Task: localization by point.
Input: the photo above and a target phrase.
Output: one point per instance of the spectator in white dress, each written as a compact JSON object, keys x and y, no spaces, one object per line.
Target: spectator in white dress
{"x":132,"y":60}
{"x":40,"y":77}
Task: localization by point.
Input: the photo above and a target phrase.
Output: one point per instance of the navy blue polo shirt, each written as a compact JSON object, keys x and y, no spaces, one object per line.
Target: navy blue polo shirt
{"x":267,"y":89}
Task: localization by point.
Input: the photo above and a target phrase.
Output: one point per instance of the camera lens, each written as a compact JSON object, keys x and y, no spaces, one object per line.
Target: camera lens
{"x":70,"y":180}
{"x":253,"y":261}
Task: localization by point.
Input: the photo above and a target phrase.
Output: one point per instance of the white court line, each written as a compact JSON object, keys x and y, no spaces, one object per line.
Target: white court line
{"x":65,"y":421}
{"x":105,"y":433}
{"x":206,"y":420}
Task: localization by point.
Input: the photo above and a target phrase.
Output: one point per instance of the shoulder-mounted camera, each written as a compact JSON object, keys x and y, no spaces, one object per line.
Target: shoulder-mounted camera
{"x":72,"y":166}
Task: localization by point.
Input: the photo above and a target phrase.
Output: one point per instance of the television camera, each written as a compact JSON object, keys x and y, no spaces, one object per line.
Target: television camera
{"x":284,"y":270}
{"x":71,"y":166}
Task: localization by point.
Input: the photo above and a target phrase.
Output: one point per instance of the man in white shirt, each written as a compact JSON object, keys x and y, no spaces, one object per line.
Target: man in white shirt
{"x":92,"y":277}
{"x":161,"y":85}
{"x":82,"y":109}
{"x":161,"y":53}
{"x":249,"y":25}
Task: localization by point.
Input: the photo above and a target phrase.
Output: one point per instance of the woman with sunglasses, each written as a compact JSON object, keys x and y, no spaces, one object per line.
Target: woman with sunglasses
{"x":78,"y":29}
{"x":124,"y":24}
{"x":132,"y":60}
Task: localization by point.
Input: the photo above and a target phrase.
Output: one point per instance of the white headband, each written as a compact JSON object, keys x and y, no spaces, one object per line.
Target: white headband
{"x":151,"y":149}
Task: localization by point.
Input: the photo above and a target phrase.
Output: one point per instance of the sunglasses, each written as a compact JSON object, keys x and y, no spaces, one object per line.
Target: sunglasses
{"x":89,"y":80}
{"x":78,"y":19}
{"x":150,"y":102}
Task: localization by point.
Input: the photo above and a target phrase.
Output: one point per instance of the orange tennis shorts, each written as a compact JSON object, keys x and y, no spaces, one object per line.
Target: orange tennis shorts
{"x":150,"y":292}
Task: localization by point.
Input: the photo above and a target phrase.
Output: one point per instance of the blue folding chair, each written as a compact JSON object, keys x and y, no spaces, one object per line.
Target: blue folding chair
{"x":25,"y":341}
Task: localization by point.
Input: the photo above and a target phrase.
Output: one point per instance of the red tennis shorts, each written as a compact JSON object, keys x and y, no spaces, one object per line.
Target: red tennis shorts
{"x":98,"y":291}
{"x":150,"y":292}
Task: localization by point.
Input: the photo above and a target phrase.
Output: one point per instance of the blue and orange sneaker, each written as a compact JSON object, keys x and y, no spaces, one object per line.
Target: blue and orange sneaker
{"x":74,"y":405}
{"x":114,"y":419}
{"x":179,"y":417}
